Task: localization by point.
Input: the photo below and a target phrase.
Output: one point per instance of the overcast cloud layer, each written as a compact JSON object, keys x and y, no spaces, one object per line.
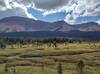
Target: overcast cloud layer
{"x":73,"y":8}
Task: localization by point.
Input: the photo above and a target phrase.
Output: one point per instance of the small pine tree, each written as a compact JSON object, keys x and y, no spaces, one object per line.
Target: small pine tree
{"x":81,"y":66}
{"x":55,"y":44}
{"x":59,"y":68}
{"x":2,"y":45}
{"x":13,"y":71}
{"x":6,"y":67}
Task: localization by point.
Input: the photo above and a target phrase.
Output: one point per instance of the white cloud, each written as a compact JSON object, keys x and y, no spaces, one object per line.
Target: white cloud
{"x":28,"y":14}
{"x":73,"y":8}
{"x":13,"y":8}
{"x":76,"y":7}
{"x":98,"y":22}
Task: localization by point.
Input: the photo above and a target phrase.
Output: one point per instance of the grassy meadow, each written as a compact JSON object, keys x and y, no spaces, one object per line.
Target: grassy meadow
{"x":50,"y":58}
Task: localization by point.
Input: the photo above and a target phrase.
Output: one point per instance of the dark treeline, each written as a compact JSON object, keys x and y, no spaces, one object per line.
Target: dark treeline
{"x":24,"y":41}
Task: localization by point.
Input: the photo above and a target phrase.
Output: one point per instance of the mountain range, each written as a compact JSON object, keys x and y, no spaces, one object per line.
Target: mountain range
{"x":25,"y":27}
{"x":21,"y":24}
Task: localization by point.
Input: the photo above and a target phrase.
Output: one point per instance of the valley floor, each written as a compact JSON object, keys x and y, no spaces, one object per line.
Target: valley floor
{"x":63,"y":59}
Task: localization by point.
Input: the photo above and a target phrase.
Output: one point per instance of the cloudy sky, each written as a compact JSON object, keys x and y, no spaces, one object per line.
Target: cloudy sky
{"x":71,"y":11}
